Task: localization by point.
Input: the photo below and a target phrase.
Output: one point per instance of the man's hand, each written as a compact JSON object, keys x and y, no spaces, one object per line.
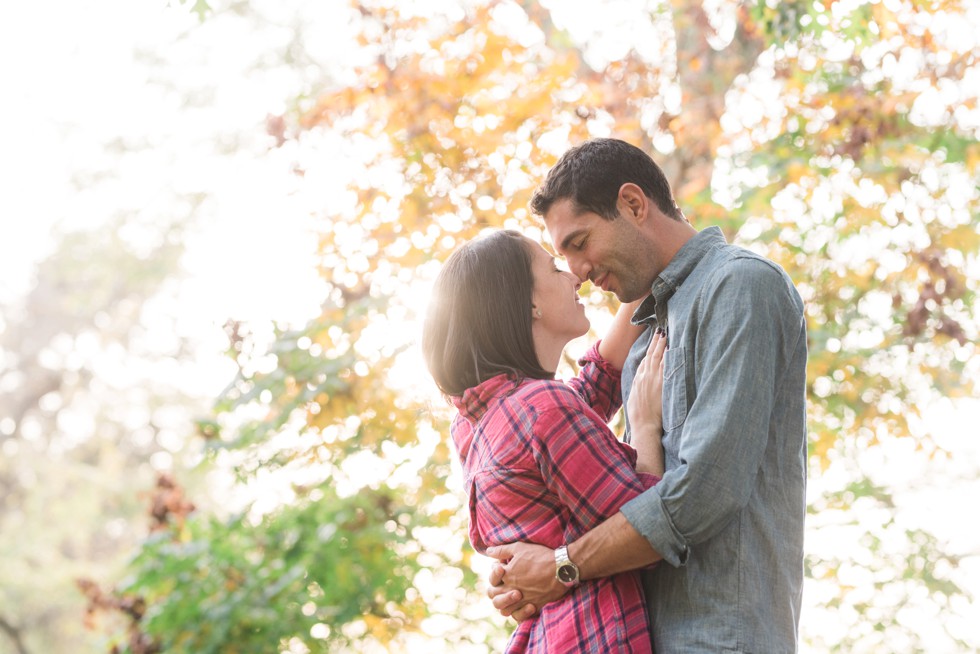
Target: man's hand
{"x":524,"y":579}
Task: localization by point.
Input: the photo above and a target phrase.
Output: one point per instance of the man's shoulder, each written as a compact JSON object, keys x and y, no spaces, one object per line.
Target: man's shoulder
{"x":734,"y":261}
{"x":735,"y":271}
{"x":730,"y":255}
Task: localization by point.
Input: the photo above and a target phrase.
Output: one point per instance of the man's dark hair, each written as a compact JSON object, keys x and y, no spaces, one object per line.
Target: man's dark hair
{"x":478,"y":323}
{"x":591,"y":174}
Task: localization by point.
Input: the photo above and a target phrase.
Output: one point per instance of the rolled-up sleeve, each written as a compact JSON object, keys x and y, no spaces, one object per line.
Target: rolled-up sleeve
{"x":598,"y":383}
{"x":747,"y":323}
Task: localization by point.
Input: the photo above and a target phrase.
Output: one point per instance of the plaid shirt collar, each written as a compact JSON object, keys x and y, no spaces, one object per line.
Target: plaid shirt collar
{"x":474,"y":402}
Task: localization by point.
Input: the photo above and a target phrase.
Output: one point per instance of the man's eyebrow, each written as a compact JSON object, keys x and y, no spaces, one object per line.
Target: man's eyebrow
{"x":565,"y":242}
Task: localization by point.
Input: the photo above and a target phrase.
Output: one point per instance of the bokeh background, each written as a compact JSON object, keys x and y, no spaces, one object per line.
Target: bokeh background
{"x":220,"y":220}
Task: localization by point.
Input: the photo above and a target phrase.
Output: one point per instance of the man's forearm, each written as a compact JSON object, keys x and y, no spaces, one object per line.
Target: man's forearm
{"x":612,"y":547}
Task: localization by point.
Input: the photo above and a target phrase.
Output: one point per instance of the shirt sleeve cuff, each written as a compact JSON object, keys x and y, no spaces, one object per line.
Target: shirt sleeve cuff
{"x":648,"y":479}
{"x":646,"y":513}
{"x":593,"y":356}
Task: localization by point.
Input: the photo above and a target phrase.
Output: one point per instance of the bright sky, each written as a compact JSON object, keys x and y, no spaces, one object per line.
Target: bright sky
{"x":74,"y":91}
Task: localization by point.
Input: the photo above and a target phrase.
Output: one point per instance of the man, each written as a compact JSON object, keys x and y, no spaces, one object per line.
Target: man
{"x":727,"y":518}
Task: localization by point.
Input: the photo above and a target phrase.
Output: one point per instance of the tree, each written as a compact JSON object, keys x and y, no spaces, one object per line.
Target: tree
{"x":76,"y":436}
{"x":838,"y":139}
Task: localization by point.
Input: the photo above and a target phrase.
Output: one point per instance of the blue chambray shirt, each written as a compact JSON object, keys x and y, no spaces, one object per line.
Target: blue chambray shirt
{"x":728,"y":515}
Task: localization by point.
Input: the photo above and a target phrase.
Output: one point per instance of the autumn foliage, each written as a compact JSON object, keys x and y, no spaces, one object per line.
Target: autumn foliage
{"x":825,"y":137}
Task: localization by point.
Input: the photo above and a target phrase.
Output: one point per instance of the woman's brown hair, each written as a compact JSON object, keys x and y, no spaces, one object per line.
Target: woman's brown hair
{"x":478,"y":324}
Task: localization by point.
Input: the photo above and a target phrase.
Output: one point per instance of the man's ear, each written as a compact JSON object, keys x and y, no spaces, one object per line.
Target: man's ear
{"x":632,"y":202}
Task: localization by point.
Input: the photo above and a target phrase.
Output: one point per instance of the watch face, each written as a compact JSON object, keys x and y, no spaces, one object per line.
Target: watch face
{"x":567,"y":574}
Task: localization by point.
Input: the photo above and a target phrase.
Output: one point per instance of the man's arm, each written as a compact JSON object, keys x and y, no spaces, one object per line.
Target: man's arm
{"x":612,"y":547}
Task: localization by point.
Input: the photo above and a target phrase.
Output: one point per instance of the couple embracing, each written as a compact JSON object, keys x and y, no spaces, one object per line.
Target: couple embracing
{"x":687,"y":536}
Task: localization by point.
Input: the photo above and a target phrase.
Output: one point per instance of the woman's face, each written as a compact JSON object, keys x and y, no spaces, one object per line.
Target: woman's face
{"x":556,"y":298}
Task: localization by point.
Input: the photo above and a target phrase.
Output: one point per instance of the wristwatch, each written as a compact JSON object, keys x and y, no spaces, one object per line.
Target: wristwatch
{"x":565,"y":571}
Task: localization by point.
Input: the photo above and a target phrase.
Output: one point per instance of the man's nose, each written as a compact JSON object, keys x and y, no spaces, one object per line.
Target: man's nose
{"x":581,"y":270}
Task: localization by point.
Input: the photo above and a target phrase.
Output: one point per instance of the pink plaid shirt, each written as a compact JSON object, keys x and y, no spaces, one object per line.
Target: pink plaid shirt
{"x":541,"y":465}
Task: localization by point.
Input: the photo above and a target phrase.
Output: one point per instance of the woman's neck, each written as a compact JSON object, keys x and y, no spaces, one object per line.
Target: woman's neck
{"x":548,"y":352}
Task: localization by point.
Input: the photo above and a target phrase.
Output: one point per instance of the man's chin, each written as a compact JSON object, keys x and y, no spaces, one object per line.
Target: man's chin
{"x":625,"y":296}
{"x":631,"y":290}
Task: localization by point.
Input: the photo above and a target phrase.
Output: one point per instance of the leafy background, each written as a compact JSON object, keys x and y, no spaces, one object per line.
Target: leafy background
{"x":217,"y":431}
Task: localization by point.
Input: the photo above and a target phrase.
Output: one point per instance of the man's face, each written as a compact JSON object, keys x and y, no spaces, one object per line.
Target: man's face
{"x":613,"y":254}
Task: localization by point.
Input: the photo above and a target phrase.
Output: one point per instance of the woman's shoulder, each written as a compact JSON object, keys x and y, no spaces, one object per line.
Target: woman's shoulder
{"x":542,"y":394}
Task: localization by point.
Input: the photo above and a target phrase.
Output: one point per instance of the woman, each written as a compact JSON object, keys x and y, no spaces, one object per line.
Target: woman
{"x":539,"y":461}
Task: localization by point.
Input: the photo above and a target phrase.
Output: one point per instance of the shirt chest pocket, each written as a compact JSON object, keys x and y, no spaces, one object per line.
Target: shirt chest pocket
{"x":675,"y":388}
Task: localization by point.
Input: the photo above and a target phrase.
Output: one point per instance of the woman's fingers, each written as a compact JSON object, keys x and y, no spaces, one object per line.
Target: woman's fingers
{"x":657,"y":337}
{"x":661,"y":346}
{"x":655,"y":350}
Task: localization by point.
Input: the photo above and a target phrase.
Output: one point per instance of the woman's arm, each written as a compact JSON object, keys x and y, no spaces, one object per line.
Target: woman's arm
{"x":616,"y":344}
{"x":598,"y":380}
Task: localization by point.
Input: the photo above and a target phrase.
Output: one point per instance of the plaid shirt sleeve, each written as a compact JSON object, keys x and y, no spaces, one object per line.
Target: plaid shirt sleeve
{"x":584,"y":464}
{"x":598,"y":384}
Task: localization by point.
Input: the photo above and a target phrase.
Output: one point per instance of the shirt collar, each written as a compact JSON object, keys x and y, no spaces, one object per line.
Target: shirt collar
{"x":474,"y":402}
{"x":683,"y":263}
